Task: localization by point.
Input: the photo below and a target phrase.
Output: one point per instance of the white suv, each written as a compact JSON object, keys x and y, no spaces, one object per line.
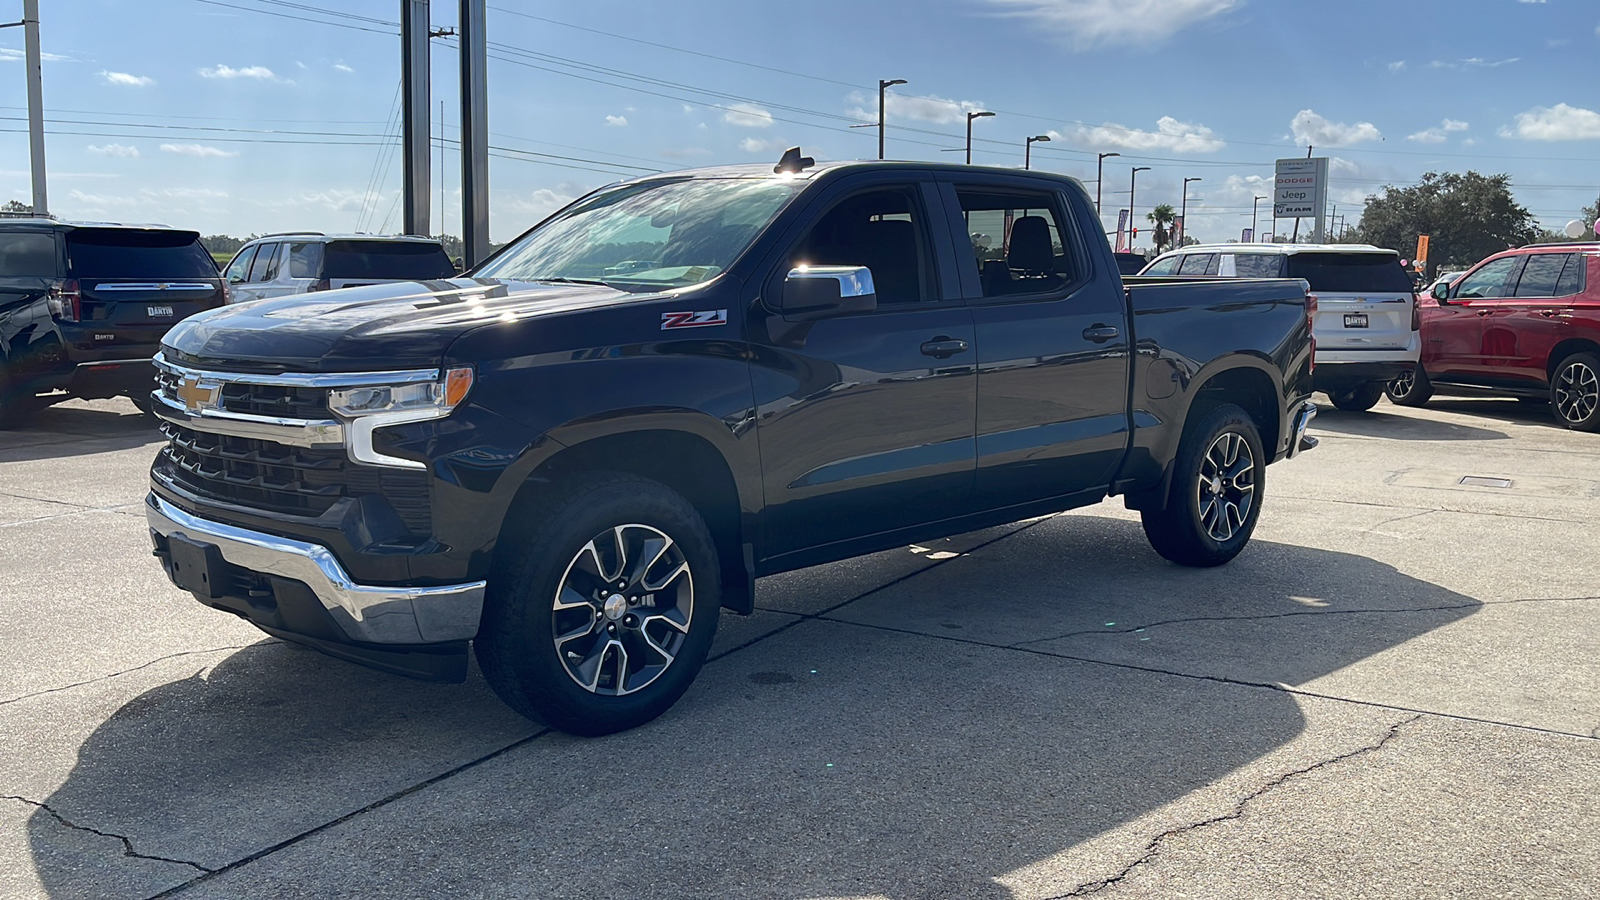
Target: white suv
{"x":1367,"y":328}
{"x":278,"y":265}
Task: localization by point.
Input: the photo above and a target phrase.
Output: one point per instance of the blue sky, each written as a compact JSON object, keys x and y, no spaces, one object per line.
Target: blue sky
{"x":241,"y":116}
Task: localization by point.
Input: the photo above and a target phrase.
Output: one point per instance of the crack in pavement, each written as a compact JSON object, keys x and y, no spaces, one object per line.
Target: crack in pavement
{"x":1153,"y":847}
{"x":1417,"y":515}
{"x":1464,"y":512}
{"x":127,"y":845}
{"x":145,"y":665}
{"x":1292,"y":614}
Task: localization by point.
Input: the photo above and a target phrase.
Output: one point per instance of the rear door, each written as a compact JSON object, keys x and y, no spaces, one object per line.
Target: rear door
{"x":1521,"y":330}
{"x":134,"y":284}
{"x":352,"y":263}
{"x":1364,"y":300}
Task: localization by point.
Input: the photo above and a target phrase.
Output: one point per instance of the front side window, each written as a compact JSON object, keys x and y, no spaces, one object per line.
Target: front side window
{"x":1489,"y":281}
{"x":880,"y":229}
{"x":647,"y":235}
{"x":240,"y":267}
{"x":265,"y":268}
{"x":27,"y":254}
{"x":1019,"y":242}
{"x":1198,"y":264}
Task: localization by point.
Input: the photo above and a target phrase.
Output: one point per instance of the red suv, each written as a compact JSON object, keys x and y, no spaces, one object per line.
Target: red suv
{"x":1523,"y":323}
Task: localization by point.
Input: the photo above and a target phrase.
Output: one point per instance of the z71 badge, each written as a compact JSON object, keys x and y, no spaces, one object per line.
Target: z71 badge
{"x":700,"y":319}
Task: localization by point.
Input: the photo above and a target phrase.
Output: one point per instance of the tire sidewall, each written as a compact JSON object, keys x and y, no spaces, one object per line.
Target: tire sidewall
{"x":1413,"y":397}
{"x":1185,"y":488}
{"x":522,"y":662}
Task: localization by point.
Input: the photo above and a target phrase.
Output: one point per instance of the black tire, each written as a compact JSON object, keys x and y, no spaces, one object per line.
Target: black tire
{"x":588,"y":527}
{"x":1216,"y":493}
{"x":1575,"y":392}
{"x":1410,"y":390}
{"x":1361,"y":399}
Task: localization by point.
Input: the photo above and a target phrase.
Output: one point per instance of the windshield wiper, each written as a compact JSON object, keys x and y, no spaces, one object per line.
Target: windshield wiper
{"x":564,"y":280}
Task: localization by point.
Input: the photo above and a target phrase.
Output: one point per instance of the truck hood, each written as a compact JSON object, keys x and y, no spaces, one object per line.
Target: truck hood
{"x":380,"y":327}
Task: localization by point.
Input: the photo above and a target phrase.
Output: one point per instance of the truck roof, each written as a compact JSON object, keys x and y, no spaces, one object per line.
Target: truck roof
{"x":765,"y":170}
{"x":1282,"y":249}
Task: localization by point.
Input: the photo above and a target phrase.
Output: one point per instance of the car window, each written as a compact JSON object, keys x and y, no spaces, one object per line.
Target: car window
{"x":265,"y":267}
{"x":1540,"y":275}
{"x":240,"y":267}
{"x":1017,"y":240}
{"x":1165,"y":266}
{"x":883,"y":230}
{"x":1341,"y":273}
{"x":27,"y":254}
{"x":1572,"y":276}
{"x":1489,"y":281}
{"x":137,"y":253}
{"x":305,"y":259}
{"x":1257,"y":265}
{"x":1198,"y":264}
{"x":412,"y":260}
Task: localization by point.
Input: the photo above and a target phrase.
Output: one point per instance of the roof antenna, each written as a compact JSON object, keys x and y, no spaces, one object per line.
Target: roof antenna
{"x":793,"y":162}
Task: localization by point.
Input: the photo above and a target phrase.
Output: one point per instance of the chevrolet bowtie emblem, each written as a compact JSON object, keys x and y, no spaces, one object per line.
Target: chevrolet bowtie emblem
{"x":197,"y":396}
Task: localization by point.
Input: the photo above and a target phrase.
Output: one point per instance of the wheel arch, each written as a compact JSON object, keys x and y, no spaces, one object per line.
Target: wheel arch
{"x":1565,"y":349}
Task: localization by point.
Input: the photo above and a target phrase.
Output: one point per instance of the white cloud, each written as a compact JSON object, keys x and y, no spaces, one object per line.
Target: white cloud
{"x":125,"y":78}
{"x":617,"y":121}
{"x":760,"y":145}
{"x":1476,"y":62}
{"x":747,"y":115}
{"x":228,"y":72}
{"x":687,"y":108}
{"x":7,"y":54}
{"x":1439,"y":134}
{"x":937,"y":110}
{"x":1088,"y":23}
{"x":342,"y":67}
{"x":201,"y":150}
{"x":1170,"y":134}
{"x":121,"y":150}
{"x":1556,"y":123}
{"x":1310,"y":128}
{"x":1397,"y":66}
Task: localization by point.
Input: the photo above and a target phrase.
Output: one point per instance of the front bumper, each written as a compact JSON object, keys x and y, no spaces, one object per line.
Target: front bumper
{"x":363,"y":614}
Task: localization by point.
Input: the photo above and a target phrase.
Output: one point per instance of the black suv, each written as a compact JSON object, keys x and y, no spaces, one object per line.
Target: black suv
{"x":83,"y":307}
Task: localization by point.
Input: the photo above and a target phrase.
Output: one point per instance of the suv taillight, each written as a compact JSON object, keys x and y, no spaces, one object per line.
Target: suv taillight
{"x":65,"y":301}
{"x":1416,"y":312}
{"x":323,"y":285}
{"x":1311,"y":326}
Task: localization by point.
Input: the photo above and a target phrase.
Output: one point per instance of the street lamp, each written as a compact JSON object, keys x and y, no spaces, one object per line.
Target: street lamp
{"x":1254,"y":205}
{"x":1099,"y":176}
{"x":882,"y":85}
{"x":1133,"y":179}
{"x":1183,"y":215}
{"x":1027,"y":149}
{"x":970,"y":116}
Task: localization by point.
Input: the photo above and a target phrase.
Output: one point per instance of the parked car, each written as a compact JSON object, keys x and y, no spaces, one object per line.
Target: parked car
{"x":1367,"y":323}
{"x":1523,"y":323}
{"x":576,"y":470}
{"x":83,"y":307}
{"x":296,"y":262}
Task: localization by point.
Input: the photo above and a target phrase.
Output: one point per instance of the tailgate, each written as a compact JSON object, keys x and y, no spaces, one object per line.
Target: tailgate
{"x":1379,"y":321}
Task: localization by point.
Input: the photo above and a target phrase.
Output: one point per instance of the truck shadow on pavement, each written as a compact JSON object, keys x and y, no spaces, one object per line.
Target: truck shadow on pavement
{"x":1393,"y":423}
{"x":77,"y":428}
{"x":956,"y":733}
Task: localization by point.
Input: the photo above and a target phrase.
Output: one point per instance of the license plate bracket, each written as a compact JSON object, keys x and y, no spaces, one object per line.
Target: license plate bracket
{"x":163,"y":312}
{"x":1355,"y":320}
{"x":196,"y":567}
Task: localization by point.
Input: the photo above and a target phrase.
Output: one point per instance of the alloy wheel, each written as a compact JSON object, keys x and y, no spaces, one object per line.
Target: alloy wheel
{"x":1403,"y":384}
{"x":1226,"y":486}
{"x":1577,"y":392}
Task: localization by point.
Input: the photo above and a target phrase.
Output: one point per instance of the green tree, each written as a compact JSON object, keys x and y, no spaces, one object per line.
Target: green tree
{"x":1161,"y":217}
{"x":1467,"y":217}
{"x":16,"y":208}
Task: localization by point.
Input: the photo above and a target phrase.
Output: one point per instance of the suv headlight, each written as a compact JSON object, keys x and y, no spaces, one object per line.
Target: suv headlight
{"x":370,"y":407}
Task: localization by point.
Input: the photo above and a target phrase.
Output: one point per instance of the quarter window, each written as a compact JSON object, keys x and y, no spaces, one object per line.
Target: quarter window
{"x":1540,"y":275}
{"x":1572,"y":276}
{"x":305,"y":259}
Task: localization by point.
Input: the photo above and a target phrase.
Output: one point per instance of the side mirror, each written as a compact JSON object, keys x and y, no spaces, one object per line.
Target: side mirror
{"x":819,"y":292}
{"x":1441,"y":293}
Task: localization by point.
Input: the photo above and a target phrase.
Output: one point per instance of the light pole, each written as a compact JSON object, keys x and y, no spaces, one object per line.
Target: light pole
{"x":1027,"y":150}
{"x":1183,"y":213}
{"x":1256,"y":204}
{"x":1133,"y":180}
{"x":882,"y":85}
{"x":1099,"y":176}
{"x":970,"y":116}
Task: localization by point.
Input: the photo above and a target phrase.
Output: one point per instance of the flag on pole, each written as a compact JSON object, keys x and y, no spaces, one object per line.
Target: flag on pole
{"x":1122,"y":231}
{"x":1247,"y":236}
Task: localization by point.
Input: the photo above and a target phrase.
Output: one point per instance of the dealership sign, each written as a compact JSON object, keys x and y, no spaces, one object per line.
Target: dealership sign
{"x":1300,"y":190}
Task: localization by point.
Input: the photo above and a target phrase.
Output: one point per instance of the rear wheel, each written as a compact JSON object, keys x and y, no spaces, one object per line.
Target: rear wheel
{"x":1215,"y":497}
{"x":602,"y":606}
{"x":1575,"y":392}
{"x":1361,"y":399}
{"x":1410,"y":389}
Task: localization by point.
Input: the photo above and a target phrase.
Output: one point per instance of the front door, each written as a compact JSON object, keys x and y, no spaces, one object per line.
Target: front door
{"x":865,"y":420}
{"x":1452,"y":332}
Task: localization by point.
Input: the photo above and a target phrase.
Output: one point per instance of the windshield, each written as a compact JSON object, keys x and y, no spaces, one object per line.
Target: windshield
{"x":1376,"y":273}
{"x":654,"y":234}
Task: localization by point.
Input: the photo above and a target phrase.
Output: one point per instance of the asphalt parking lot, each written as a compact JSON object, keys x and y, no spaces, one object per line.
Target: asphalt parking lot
{"x":1393,"y":692}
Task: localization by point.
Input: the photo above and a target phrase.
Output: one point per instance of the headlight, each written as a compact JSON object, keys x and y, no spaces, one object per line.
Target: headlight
{"x":370,"y":407}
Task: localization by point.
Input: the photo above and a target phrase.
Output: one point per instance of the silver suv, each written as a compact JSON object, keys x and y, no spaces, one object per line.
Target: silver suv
{"x":1367,"y":328}
{"x":278,"y":265}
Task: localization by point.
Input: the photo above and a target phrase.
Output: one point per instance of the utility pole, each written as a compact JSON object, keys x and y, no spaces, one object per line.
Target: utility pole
{"x":1099,"y":176}
{"x":35,"y":76}
{"x":1184,"y":215}
{"x":474,"y":133}
{"x":1254,"y":206}
{"x":1133,"y":180}
{"x":414,"y":130}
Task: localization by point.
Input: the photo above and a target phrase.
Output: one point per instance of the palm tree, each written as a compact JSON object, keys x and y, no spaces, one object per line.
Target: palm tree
{"x":1162,"y":217}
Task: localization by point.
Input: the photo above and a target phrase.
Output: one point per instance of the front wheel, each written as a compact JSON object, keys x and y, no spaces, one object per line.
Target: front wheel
{"x":1410,"y":389}
{"x":1575,"y":392}
{"x":1215,"y":497}
{"x":601,"y":606}
{"x":1361,"y":399}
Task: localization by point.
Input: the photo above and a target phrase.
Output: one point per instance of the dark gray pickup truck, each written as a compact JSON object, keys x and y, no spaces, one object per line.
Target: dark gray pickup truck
{"x":578,"y":454}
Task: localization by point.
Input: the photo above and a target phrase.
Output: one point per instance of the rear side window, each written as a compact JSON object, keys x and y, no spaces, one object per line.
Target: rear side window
{"x":305,"y":259}
{"x":1369,"y":273}
{"x":1541,"y":274}
{"x":1572,"y":277}
{"x":1167,"y":266}
{"x":1198,"y":264}
{"x":1257,"y":265}
{"x":129,"y":253}
{"x":1018,"y":241}
{"x":414,"y":260}
{"x":27,"y":254}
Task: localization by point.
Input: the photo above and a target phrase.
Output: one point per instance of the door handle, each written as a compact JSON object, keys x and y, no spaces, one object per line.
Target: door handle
{"x":943,"y":347}
{"x":1100,"y":333}
{"x":1485,"y":312}
{"x":1549,"y":313}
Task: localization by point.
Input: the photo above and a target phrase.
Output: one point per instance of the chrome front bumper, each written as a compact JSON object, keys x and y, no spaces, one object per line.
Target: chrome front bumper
{"x":370,"y":614}
{"x":1299,"y":440}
